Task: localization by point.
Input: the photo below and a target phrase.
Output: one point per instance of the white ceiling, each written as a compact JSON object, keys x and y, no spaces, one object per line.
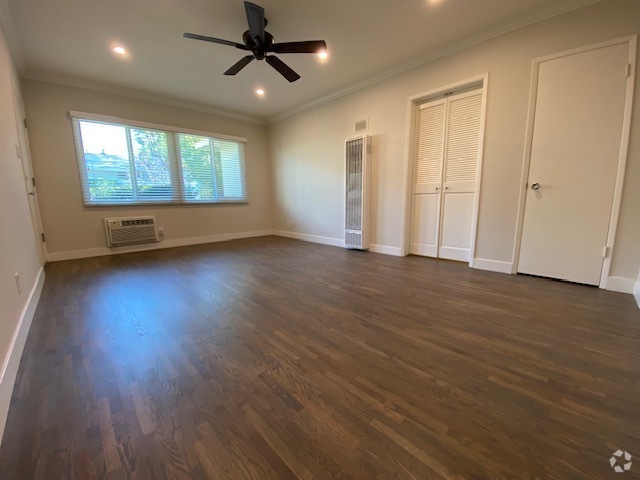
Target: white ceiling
{"x":366,"y":39}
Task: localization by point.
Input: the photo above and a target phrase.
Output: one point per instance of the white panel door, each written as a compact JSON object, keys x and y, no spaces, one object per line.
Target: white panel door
{"x":427,"y":178}
{"x":574,"y":158}
{"x":22,"y":151}
{"x":462,"y":151}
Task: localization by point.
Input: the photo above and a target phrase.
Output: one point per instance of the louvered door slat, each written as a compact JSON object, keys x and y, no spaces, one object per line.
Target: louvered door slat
{"x":463,"y":138}
{"x":429,"y":147}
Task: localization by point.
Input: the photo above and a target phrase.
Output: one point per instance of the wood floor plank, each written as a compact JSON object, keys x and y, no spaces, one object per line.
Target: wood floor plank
{"x":271,"y":358}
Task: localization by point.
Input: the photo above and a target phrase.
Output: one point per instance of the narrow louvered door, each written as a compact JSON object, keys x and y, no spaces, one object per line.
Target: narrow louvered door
{"x":427,"y":178}
{"x":462,"y":151}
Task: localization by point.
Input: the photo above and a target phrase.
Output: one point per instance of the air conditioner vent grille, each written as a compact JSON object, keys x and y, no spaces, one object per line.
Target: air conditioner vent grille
{"x":354,"y":184}
{"x":362,"y":125}
{"x":137,"y":221}
{"x":130,"y":230}
{"x":358,"y":179}
{"x":353,"y":239}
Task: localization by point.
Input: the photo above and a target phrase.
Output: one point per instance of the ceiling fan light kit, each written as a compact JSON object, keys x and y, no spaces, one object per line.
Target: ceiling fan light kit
{"x":262,"y":46}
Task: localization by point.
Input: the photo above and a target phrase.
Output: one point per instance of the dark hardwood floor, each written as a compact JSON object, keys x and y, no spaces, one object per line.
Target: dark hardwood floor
{"x":273,"y":358}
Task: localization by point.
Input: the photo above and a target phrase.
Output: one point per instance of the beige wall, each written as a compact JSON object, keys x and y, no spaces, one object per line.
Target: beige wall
{"x":636,"y":290}
{"x":18,"y":248}
{"x":70,"y":226}
{"x":307,"y":158}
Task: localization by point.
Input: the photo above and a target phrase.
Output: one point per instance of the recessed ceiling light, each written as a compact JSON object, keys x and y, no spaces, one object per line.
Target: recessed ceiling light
{"x":323,"y":55}
{"x":120,"y":50}
{"x":260,"y":92}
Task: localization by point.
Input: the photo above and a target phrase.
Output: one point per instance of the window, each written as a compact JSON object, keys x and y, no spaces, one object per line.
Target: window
{"x":133,"y":163}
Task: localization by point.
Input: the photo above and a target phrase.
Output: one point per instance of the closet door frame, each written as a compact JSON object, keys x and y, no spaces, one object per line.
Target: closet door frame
{"x":632,"y":41}
{"x":414,"y":102}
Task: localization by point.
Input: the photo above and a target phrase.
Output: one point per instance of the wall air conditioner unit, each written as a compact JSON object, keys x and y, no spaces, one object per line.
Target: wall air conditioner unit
{"x":130,"y":230}
{"x":358,"y":192}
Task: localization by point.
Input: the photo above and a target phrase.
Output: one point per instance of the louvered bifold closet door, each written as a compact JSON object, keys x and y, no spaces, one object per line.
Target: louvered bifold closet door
{"x":462,"y":152}
{"x":427,"y":177}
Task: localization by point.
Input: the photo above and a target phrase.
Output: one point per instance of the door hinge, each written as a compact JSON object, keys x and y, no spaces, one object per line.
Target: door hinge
{"x":628,"y":71}
{"x":25,"y":122}
{"x":605,"y":251}
{"x":33,"y":181}
{"x":42,"y":235}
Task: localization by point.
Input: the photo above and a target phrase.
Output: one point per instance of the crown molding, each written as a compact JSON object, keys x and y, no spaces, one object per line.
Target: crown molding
{"x":557,"y":9}
{"x":6,"y":21}
{"x":77,"y":82}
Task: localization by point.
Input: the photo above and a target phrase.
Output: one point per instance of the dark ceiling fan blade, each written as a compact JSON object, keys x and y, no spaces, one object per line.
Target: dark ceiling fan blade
{"x":195,"y":36}
{"x":243,"y":62}
{"x":282,"y":68}
{"x":311,"y":46}
{"x":255,"y":19}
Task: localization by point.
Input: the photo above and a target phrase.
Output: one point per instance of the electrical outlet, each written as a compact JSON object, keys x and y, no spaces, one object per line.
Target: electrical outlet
{"x":18,"y":284}
{"x":161,"y":232}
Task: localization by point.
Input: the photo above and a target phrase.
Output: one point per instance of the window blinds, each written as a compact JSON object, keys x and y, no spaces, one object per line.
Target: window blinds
{"x":130,"y":164}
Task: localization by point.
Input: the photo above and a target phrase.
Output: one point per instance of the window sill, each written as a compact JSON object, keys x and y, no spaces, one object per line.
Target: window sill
{"x":166,"y":204}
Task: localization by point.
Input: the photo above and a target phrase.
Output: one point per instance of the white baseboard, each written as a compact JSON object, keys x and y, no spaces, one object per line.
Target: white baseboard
{"x":454,"y":253}
{"x":178,"y":242}
{"x":12,"y":360}
{"x":337,"y":242}
{"x":620,"y":284}
{"x":493,"y":265}
{"x":334,"y":242}
{"x":386,"y":250}
{"x":636,"y":292}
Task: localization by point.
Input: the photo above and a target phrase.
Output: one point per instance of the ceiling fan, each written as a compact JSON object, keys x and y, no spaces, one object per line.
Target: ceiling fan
{"x":261,"y":43}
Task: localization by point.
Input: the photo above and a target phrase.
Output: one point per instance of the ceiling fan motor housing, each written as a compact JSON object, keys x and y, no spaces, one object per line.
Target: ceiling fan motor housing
{"x":258,"y":48}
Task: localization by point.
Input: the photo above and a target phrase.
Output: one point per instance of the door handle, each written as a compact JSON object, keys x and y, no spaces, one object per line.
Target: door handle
{"x":33,"y":194}
{"x":535,"y":186}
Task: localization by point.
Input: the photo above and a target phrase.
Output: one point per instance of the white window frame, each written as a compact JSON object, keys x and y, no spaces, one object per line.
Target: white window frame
{"x":174,"y":155}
